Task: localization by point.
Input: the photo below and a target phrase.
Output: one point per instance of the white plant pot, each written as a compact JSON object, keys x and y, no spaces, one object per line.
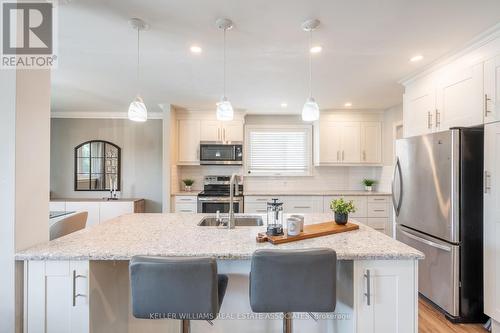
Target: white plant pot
{"x":187,"y":188}
{"x":368,"y":188}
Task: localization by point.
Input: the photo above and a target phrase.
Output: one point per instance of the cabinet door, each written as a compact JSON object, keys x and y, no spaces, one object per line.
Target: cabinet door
{"x":210,"y":130}
{"x":492,"y":90}
{"x":460,"y":98}
{"x":492,"y":221}
{"x":232,"y":130}
{"x":110,"y":210}
{"x":385,"y":296}
{"x":330,"y":143}
{"x":83,"y":206}
{"x":371,"y":142}
{"x":351,"y":142}
{"x":419,"y":109}
{"x":302,"y":204}
{"x":189,"y":141}
{"x":57,"y":296}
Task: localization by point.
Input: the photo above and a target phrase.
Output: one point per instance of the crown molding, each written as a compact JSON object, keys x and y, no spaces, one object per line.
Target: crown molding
{"x":100,"y":114}
{"x":480,"y":40}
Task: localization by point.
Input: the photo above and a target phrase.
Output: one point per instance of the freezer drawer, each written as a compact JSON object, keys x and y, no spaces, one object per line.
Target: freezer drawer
{"x":438,"y":273}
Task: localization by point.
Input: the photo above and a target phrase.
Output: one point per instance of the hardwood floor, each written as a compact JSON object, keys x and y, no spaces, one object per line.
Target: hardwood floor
{"x":431,"y":320}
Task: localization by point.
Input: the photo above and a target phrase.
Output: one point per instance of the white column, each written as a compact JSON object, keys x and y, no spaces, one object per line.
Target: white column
{"x":167,"y":158}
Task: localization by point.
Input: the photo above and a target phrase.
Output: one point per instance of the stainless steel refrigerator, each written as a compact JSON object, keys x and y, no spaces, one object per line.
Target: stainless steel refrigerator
{"x":438,"y":201}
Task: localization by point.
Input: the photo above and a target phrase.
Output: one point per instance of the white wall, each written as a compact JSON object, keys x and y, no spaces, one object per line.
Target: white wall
{"x":392,"y":117}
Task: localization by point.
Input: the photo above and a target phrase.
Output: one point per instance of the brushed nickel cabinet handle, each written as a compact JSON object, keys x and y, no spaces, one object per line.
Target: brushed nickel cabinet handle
{"x":487,"y":185}
{"x":438,"y":119}
{"x":364,"y":155}
{"x":74,"y":294}
{"x":342,"y":155}
{"x":368,"y":291}
{"x":486,"y":100}
{"x":302,"y":207}
{"x":429,"y":120}
{"x":338,"y":155}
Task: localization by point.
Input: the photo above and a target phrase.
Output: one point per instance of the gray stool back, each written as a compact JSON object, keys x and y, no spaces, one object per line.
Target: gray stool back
{"x":293,"y":281}
{"x":176,"y":288}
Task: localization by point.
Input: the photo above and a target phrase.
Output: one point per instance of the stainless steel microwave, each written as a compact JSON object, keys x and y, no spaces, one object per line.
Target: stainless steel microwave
{"x":215,"y":152}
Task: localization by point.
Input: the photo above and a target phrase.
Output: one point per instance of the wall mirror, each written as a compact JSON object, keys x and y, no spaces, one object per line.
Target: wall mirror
{"x":97,"y":166}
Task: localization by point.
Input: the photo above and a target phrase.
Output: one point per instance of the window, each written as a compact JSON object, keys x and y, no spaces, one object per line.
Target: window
{"x":97,"y":166}
{"x":278,"y":150}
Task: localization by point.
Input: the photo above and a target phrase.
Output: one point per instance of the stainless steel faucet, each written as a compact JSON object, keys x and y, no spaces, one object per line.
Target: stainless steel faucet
{"x":232,"y":193}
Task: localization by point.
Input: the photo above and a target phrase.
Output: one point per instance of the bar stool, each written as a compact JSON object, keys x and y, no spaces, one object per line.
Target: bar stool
{"x":176,"y":288}
{"x":293,"y":281}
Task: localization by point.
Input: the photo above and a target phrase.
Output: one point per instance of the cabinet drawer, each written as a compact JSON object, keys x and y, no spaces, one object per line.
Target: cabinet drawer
{"x":186,"y":199}
{"x":255,"y":208}
{"x":378,"y":210}
{"x":377,"y":223}
{"x":185,"y":208}
{"x":259,"y":199}
{"x":378,"y":199}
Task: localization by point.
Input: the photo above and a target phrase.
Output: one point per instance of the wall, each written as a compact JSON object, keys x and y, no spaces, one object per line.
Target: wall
{"x":141,"y":149}
{"x":392,"y":117}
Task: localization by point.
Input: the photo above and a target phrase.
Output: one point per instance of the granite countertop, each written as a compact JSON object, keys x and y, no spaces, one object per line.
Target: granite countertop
{"x":178,"y":235}
{"x":105,"y":199}
{"x":318,"y":193}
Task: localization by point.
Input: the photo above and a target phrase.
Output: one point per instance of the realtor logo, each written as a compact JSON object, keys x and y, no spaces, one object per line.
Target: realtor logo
{"x":28,"y":34}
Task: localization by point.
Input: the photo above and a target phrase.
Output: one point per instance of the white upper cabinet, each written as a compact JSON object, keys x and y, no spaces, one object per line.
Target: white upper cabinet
{"x":460,"y":97}
{"x":371,"y":139}
{"x":189,"y":141}
{"x":419,"y":105}
{"x":348,"y":139}
{"x":213,"y":130}
{"x":492,"y":90}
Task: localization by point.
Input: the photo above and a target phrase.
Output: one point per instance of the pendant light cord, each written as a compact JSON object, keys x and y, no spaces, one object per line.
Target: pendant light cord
{"x":310,"y":63}
{"x":138,"y":60}
{"x":224,"y":80}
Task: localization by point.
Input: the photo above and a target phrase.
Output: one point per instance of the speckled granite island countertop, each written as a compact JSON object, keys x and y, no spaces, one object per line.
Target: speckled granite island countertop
{"x":179,"y":235}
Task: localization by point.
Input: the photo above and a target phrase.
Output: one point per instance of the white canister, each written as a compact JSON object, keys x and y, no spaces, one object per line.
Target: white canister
{"x":301,"y":219}
{"x":292,"y":226}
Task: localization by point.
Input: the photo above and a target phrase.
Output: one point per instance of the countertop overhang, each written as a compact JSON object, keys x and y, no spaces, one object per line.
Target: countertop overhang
{"x":179,"y":235}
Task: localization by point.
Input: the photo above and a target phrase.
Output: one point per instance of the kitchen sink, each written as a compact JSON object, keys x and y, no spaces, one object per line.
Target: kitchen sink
{"x":239,"y":221}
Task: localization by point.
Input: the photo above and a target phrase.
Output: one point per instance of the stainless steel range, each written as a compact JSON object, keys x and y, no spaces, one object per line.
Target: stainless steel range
{"x":215,"y":195}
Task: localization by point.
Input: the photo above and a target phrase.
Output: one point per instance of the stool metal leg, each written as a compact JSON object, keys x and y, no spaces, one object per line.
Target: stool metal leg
{"x":185,"y":326}
{"x":287,"y":322}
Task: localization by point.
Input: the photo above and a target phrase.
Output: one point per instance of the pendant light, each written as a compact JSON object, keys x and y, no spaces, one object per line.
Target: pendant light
{"x":137,"y":110}
{"x":225,"y":110}
{"x":310,"y":110}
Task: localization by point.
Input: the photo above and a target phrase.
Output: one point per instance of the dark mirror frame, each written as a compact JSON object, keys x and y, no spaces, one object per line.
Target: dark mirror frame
{"x":119,"y":159}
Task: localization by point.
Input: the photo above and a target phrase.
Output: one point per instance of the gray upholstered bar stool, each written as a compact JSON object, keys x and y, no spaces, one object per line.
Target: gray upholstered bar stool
{"x":293,"y":281}
{"x":176,"y":288}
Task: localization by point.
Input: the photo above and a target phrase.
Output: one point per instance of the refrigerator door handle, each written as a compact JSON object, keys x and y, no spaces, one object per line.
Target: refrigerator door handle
{"x":425,"y":241}
{"x":397,"y":202}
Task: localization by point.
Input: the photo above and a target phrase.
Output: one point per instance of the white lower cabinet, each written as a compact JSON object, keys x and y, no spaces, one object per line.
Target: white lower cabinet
{"x":110,"y":210}
{"x":386,"y":297}
{"x":186,"y":203}
{"x":302,"y":204}
{"x":492,"y":221}
{"x":56,"y":296}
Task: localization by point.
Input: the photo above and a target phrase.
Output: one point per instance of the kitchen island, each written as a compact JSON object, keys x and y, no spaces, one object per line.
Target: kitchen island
{"x":79,"y":283}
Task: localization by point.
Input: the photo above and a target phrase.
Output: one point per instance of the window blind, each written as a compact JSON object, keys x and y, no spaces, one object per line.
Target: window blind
{"x":278,"y":151}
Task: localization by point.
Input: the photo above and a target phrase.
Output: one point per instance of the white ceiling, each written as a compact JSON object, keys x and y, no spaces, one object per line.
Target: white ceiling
{"x":366,"y":47}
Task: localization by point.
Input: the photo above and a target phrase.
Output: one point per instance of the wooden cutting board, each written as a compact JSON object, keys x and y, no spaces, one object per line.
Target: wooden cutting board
{"x":310,"y":231}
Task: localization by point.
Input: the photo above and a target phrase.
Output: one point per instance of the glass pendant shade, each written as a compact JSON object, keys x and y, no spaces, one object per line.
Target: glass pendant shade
{"x":225,"y":110}
{"x":310,"y":111}
{"x":137,"y":110}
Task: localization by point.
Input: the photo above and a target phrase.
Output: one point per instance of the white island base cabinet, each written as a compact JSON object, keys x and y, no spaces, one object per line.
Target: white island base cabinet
{"x":384,"y":302}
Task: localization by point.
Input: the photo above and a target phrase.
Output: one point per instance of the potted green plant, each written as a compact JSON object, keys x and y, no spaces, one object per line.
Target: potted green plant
{"x":369,"y":183}
{"x":187,"y":184}
{"x":341,"y":209}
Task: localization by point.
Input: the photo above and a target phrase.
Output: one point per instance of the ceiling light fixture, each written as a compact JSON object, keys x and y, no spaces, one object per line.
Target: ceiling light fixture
{"x":225,"y":110}
{"x":416,"y":58}
{"x":195,"y":49}
{"x":316,"y":49}
{"x":348,"y":104}
{"x":283,"y":105}
{"x":137,"y":110}
{"x":310,"y":110}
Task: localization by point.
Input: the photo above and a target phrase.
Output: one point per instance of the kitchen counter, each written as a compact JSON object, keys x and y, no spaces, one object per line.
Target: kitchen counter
{"x":179,"y":235}
{"x":94,"y":199}
{"x":318,"y":193}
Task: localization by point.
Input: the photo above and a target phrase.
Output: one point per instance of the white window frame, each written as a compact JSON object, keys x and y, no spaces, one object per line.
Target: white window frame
{"x":309,"y":150}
